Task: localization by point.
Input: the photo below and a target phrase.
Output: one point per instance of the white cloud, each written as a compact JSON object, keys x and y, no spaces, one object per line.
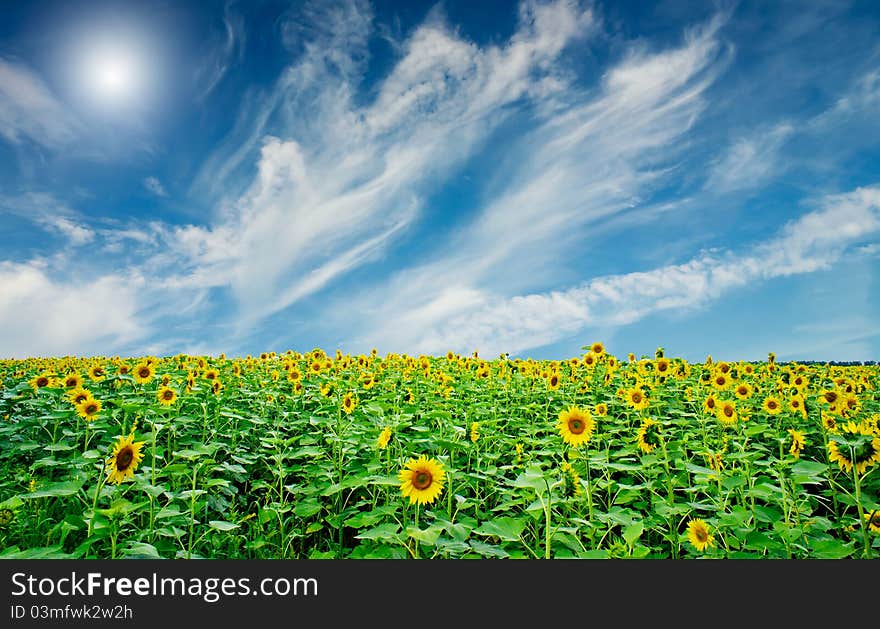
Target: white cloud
{"x":750,"y":162}
{"x":41,"y":316}
{"x":495,"y":324}
{"x":221,"y":53}
{"x":75,"y":233}
{"x":348,"y":178}
{"x":155,"y":186}
{"x":29,"y":110}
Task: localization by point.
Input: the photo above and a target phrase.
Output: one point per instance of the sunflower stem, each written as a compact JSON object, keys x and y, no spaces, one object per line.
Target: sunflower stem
{"x":857,"y":480}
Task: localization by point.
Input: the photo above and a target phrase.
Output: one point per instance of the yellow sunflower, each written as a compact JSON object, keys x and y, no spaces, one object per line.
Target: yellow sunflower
{"x":166,"y":396}
{"x":73,"y":381}
{"x":863,"y":456}
{"x":720,"y":381}
{"x":873,"y":520}
{"x":421,"y":480}
{"x":576,"y":426}
{"x":88,"y":409}
{"x":143,"y":372}
{"x":727,"y":413}
{"x":743,"y":390}
{"x":597,"y":348}
{"x":601,"y":409}
{"x":97,"y":373}
{"x":772,"y":405}
{"x":384,"y":438}
{"x":79,"y":395}
{"x":42,"y":380}
{"x":124,"y":460}
{"x":349,"y":403}
{"x":475,"y":432}
{"x":798,"y":442}
{"x":698,"y":534}
{"x":553,"y":381}
{"x":647,"y":437}
{"x":710,"y":405}
{"x":636,"y":398}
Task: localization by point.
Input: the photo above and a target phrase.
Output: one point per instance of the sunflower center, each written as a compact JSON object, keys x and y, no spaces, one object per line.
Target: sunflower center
{"x":41,"y":382}
{"x":143,"y":373}
{"x":728,"y":411}
{"x":772,"y":405}
{"x":124,"y":459}
{"x":422,"y":479}
{"x":70,"y":382}
{"x":636,"y":397}
{"x":91,"y":409}
{"x":80,"y":399}
{"x":700,"y":535}
{"x":168,"y":395}
{"x":576,"y":426}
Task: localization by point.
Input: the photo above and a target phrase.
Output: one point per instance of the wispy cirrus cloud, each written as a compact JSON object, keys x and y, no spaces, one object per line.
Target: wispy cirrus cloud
{"x":463,"y":319}
{"x":29,"y":110}
{"x":221,"y":53}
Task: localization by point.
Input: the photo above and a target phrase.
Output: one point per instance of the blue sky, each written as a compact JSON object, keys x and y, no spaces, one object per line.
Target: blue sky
{"x":530,"y":177}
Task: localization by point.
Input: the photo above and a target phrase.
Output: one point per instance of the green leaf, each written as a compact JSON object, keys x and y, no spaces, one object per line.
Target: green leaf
{"x":67,"y":488}
{"x":508,"y":529}
{"x":388,"y":531}
{"x":488,"y":550}
{"x":220,"y":525}
{"x":831,"y":549}
{"x":633,"y":532}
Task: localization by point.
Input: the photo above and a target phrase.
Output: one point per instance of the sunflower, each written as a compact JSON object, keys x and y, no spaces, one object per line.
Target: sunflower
{"x":409,"y":398}
{"x":772,"y":405}
{"x":421,"y":480}
{"x":590,"y":360}
{"x":368,"y":381}
{"x":294,"y":375}
{"x":850,"y":406}
{"x":42,"y":380}
{"x":316,"y":366}
{"x":211,"y":374}
{"x":597,"y":348}
{"x":796,"y":404}
{"x":601,"y":409}
{"x":828,"y":422}
{"x":143,"y":372}
{"x":863,"y":456}
{"x":166,"y":396}
{"x":710,"y":405}
{"x":97,"y":373}
{"x":384,"y":438}
{"x":73,"y":381}
{"x":698,"y":535}
{"x":124,"y":459}
{"x":661,"y":367}
{"x":553,"y":381}
{"x":873,"y":521}
{"x":475,"y":434}
{"x":636,"y":398}
{"x":79,"y":395}
{"x":647,"y":437}
{"x":326,"y":389}
{"x":743,"y":391}
{"x":576,"y":426}
{"x":216,"y":387}
{"x":720,"y":381}
{"x":727,"y":413}
{"x":829,"y":396}
{"x":348,"y":403}
{"x":88,"y":409}
{"x":798,"y":441}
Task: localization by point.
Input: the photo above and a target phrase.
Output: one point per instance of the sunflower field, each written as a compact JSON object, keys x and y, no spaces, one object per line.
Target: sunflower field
{"x":310,"y":455}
